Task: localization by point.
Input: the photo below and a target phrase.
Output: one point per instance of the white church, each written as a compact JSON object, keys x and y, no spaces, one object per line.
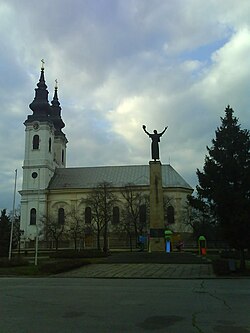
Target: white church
{"x":49,"y":187}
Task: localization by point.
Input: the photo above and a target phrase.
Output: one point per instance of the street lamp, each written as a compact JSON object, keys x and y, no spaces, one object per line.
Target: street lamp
{"x":13,"y":216}
{"x":38,"y":214}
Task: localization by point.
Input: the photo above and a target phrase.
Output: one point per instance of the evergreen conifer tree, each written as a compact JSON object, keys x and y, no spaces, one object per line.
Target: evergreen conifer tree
{"x":5,"y":226}
{"x":225,"y":181}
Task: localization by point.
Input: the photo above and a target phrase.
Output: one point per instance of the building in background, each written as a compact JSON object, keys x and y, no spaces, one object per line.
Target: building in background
{"x":51,"y":189}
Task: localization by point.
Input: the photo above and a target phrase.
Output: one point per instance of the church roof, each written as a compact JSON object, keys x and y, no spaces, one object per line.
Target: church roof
{"x":117,"y":176}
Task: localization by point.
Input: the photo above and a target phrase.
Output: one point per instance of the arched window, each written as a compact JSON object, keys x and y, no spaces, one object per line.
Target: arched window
{"x":61,"y":216}
{"x":49,"y":145}
{"x":116,"y":215}
{"x":170,"y":215}
{"x":33,"y":216}
{"x":63,"y":156}
{"x":88,"y":215}
{"x":142,"y":214}
{"x":36,"y":141}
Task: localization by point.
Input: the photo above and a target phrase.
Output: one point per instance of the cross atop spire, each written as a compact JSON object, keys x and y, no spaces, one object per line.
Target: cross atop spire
{"x":43,"y":62}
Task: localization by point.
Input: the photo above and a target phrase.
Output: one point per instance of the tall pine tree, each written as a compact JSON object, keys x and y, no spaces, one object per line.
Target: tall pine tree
{"x":5,"y":226}
{"x":225,"y":181}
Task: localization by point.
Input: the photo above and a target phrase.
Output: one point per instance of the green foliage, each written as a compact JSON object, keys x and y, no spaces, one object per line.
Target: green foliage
{"x":201,"y":219}
{"x":5,"y":227}
{"x":225,"y":180}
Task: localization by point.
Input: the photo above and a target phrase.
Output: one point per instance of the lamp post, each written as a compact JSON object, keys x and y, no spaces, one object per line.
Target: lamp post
{"x":13,"y":216}
{"x":37,"y":219}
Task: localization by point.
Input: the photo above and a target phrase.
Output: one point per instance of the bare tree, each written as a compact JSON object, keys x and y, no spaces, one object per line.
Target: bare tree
{"x":76,"y":228}
{"x":53,"y":229}
{"x":101,"y":200}
{"x":135,"y":207}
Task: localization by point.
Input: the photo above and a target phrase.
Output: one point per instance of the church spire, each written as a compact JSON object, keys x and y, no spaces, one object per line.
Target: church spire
{"x":40,"y":105}
{"x":55,"y":113}
{"x":55,"y":102}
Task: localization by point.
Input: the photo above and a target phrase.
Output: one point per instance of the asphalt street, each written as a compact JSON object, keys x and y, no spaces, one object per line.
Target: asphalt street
{"x":44,"y":305}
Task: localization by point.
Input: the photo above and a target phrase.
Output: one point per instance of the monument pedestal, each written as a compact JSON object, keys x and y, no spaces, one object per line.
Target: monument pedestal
{"x":157,"y":240}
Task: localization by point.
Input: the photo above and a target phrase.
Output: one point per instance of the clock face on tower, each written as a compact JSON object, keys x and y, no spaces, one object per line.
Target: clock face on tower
{"x":36,"y":126}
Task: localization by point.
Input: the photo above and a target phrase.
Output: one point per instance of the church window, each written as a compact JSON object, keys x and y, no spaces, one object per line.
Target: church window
{"x":170,"y":215}
{"x":116,"y":215}
{"x":61,"y":216}
{"x":34,"y":175}
{"x":62,"y":156}
{"x":49,"y":145}
{"x":36,"y":141}
{"x":33,"y":216}
{"x":142,"y":214}
{"x":88,"y":215}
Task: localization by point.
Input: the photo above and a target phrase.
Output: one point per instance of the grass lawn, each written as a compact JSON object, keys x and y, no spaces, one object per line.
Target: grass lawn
{"x":44,"y":267}
{"x":29,"y":270}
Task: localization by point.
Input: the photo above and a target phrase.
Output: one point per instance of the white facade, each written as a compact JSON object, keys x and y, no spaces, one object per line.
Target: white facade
{"x":45,"y":150}
{"x":38,"y":169}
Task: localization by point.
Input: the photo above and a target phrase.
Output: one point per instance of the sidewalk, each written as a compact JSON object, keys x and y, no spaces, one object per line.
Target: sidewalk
{"x":143,"y":265}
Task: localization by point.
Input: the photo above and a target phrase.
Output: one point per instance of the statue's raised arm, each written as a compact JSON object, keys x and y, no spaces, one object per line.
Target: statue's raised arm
{"x":155,"y":137}
{"x":163,"y":131}
{"x":144,"y":128}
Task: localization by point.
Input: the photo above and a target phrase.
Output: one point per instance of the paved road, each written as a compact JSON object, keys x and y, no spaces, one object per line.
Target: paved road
{"x":48,"y":305}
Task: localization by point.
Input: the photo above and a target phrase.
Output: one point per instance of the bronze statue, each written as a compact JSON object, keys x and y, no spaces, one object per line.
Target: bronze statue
{"x":155,"y":137}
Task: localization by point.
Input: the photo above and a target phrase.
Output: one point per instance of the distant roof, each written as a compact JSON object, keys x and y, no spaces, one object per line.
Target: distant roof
{"x":117,"y":176}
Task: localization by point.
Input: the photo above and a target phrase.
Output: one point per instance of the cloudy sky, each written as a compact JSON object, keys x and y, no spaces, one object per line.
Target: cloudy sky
{"x":121,"y":64}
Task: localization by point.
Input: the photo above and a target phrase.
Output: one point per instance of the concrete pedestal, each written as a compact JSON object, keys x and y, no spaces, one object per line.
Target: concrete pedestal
{"x":157,"y":241}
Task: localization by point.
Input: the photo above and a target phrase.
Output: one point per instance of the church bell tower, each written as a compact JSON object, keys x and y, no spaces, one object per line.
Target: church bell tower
{"x":45,"y":150}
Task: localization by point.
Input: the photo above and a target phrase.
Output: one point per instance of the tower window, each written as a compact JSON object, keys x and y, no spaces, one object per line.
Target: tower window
{"x":36,"y":141}
{"x":62,"y":156}
{"x":33,"y":216}
{"x":88,"y":215}
{"x":49,"y":145}
{"x":61,"y":216}
{"x":116,"y":215}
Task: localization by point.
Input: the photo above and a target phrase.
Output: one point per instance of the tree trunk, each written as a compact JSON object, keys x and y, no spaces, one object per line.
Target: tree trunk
{"x":136,"y":234}
{"x":242,"y":260}
{"x":130,"y":241}
{"x":98,"y":239}
{"x":105,"y":236}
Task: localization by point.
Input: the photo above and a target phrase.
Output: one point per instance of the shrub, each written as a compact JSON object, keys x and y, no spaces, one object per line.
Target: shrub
{"x":234,"y":254}
{"x":61,"y":266}
{"x":67,"y":254}
{"x":221,"y":267}
{"x":14,"y":262}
